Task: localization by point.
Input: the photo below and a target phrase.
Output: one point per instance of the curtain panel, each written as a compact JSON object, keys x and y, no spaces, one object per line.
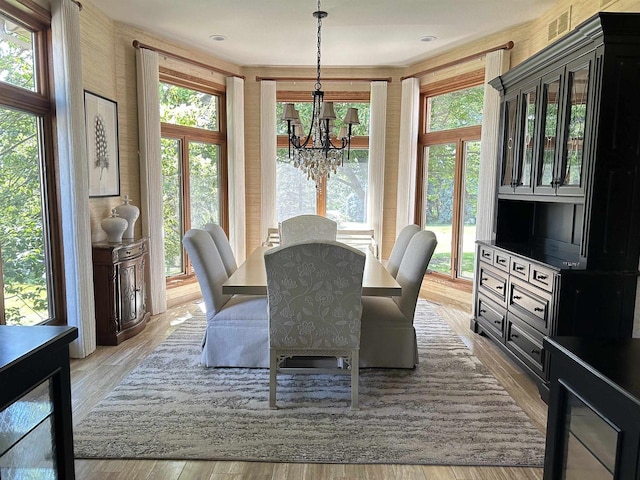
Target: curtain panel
{"x":151,"y":174}
{"x":496,"y":63}
{"x":408,"y":153}
{"x":235,"y":143}
{"x":74,"y":175}
{"x":377,"y":137}
{"x":268,"y":150}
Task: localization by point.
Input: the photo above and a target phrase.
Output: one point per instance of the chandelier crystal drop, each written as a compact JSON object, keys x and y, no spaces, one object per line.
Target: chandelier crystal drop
{"x":319,"y":153}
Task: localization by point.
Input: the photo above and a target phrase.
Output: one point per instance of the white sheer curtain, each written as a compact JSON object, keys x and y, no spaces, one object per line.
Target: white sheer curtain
{"x":74,"y":175}
{"x":407,"y":153}
{"x":151,"y":175}
{"x":235,"y":144}
{"x":496,"y":63}
{"x":377,"y":132}
{"x":268,"y":140}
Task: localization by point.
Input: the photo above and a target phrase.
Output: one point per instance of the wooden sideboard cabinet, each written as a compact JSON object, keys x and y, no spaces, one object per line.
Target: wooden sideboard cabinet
{"x":120,"y":289}
{"x":564,"y":255}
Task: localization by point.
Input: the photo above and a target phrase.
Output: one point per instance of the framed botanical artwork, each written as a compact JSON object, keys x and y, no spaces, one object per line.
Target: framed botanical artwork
{"x":101,"y":121}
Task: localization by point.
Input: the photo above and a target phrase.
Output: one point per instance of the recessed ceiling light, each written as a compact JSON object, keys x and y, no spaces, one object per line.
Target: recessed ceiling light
{"x":428,"y":38}
{"x":218,"y":38}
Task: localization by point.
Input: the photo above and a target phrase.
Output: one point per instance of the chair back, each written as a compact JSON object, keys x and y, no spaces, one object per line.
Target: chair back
{"x":209,"y":268}
{"x":412,"y":269}
{"x":314,"y":293}
{"x":223,"y":246}
{"x":399,"y":247}
{"x":307,"y":227}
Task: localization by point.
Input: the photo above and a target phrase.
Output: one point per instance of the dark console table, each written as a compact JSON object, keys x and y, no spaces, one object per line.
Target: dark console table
{"x":593,"y":426}
{"x":36,"y":431}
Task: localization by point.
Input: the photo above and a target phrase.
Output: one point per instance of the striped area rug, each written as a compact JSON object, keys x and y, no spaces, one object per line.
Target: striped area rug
{"x":449,"y":410}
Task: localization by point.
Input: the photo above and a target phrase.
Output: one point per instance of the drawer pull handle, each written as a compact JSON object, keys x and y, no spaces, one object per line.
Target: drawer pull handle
{"x":482,"y":310}
{"x":519,"y":268}
{"x":538,"y":309}
{"x":517,"y":297}
{"x":497,"y":322}
{"x":499,"y":287}
{"x":535,"y":351}
{"x":542,"y":277}
{"x":484,"y":279}
{"x":486,"y":254}
{"x":502,"y":261}
{"x":514,"y":335}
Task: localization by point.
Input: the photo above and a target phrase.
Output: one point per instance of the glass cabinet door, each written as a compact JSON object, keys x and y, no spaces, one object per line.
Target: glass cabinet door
{"x":550,"y":113}
{"x":570,"y":174}
{"x":524,"y":166}
{"x":507,"y":182}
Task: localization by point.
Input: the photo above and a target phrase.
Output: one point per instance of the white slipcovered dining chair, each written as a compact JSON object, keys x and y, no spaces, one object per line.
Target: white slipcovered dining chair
{"x":223,"y":246}
{"x":237,"y":325}
{"x":307,"y":227}
{"x":399,"y":247}
{"x":314,"y":294}
{"x":388,"y":337}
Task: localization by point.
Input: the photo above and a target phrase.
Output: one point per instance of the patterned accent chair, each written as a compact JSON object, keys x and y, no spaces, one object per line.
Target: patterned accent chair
{"x":237,"y":325}
{"x":314,"y":294}
{"x":223,"y":246}
{"x":397,"y":252}
{"x":307,"y":227}
{"x":388,"y":337}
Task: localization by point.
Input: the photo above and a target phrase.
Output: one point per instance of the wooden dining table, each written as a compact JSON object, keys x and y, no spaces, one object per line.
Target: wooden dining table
{"x":251,"y":277}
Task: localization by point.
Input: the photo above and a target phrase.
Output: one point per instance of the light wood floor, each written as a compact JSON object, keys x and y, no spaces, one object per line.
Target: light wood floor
{"x":93,"y":377}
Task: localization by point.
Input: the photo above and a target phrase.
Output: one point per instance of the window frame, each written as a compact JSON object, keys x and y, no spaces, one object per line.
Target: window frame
{"x":459,"y":136}
{"x":186,"y":134}
{"x":360,"y":142}
{"x":40,"y":104}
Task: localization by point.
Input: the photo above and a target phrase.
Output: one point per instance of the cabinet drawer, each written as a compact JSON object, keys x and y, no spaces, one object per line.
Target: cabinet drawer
{"x":532,"y":304}
{"x":486,"y":254}
{"x":491,"y":316}
{"x":541,"y":277}
{"x":519,"y":268}
{"x":131,"y":251}
{"x":493,"y":282}
{"x":526,"y":345}
{"x":502,"y":261}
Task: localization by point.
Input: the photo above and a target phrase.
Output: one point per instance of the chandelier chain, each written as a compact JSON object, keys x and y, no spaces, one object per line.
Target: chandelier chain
{"x":318,"y":85}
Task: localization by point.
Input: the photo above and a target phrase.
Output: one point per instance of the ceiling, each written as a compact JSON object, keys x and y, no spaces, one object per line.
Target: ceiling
{"x":356,"y":32}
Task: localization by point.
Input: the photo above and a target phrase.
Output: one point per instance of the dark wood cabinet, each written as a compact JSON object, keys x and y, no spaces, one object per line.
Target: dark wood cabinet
{"x":569,"y":231}
{"x":593,"y":426}
{"x":120,"y":290}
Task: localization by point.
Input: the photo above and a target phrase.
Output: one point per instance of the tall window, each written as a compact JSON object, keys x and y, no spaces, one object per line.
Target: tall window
{"x":193,"y":166}
{"x":343,"y":196}
{"x":449,"y":163}
{"x":31,"y":274}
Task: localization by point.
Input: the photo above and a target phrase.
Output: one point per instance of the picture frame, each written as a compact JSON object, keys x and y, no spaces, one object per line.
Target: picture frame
{"x":101,"y":123}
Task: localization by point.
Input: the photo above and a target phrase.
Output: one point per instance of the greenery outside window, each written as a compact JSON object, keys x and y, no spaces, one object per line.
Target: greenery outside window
{"x":31,"y":273}
{"x":343,"y":196}
{"x":449,"y":159}
{"x":193,"y":166}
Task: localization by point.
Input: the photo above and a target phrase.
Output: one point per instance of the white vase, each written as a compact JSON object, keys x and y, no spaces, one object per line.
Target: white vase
{"x":130,"y":213}
{"x":115,"y":226}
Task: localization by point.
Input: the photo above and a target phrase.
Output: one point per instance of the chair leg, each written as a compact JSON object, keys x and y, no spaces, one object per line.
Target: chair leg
{"x":355,"y":372}
{"x":273,"y":370}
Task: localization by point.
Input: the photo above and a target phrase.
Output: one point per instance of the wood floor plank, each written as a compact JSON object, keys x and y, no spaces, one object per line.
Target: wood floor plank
{"x":94,"y":377}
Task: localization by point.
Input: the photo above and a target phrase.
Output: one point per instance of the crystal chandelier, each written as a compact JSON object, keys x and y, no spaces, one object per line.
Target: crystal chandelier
{"x":317,"y":154}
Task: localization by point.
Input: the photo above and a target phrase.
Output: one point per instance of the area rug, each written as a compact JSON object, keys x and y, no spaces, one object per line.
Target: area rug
{"x":447,"y":411}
